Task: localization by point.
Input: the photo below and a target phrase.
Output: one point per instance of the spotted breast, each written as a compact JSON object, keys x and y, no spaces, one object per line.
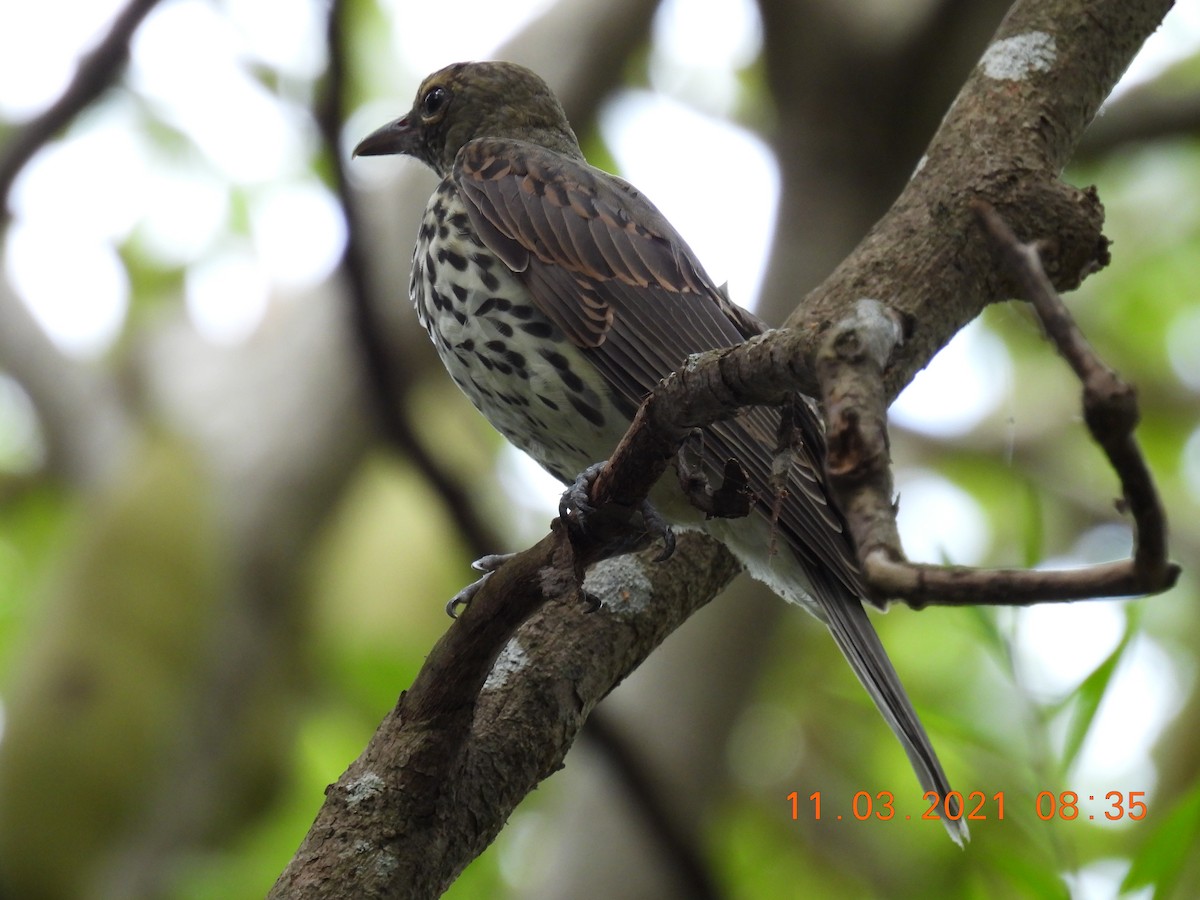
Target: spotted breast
{"x":513,"y":363}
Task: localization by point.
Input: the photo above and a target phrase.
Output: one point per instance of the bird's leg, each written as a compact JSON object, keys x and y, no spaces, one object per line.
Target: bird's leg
{"x":576,"y":506}
{"x":485,"y":564}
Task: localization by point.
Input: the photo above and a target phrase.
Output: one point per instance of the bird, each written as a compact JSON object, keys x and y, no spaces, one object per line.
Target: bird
{"x":558,"y":296}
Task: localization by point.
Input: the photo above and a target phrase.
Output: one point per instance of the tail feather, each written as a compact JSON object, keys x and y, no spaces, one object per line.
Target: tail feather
{"x":856,"y":638}
{"x":822,"y":591}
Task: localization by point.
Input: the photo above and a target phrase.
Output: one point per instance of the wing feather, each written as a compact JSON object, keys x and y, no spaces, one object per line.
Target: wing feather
{"x":608,"y":268}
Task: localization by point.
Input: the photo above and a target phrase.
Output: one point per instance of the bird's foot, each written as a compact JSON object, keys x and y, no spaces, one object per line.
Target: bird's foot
{"x":578,"y":498}
{"x":485,"y":564}
{"x":576,"y":506}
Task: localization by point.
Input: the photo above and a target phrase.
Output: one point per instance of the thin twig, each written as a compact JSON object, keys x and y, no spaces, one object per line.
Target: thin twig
{"x":920,"y":585}
{"x":652,"y":802}
{"x":386,"y":377}
{"x":1109,"y":404}
{"x":97,"y":70}
{"x":1110,"y":410}
{"x":1146,"y":114}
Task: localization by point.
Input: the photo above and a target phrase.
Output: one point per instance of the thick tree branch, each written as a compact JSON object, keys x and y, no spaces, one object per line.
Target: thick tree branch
{"x":854,"y":108}
{"x":861,"y":348}
{"x":450,"y":762}
{"x":1005,"y":139}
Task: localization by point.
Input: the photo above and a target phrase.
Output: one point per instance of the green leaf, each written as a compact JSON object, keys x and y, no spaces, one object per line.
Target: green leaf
{"x":1088,"y":696}
{"x":1030,"y":876}
{"x":1172,"y":843}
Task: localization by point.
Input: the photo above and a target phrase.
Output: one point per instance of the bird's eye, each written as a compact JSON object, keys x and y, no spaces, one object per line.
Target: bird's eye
{"x":434,"y":102}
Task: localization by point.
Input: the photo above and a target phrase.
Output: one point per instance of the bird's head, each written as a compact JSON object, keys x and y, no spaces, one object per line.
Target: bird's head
{"x":472,"y":100}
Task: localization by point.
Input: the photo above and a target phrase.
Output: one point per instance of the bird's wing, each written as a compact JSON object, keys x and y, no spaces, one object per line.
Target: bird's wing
{"x":608,"y":269}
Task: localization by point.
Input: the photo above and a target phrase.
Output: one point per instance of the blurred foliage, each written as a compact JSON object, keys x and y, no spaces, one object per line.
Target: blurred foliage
{"x":115,"y":694}
{"x":31,"y":531}
{"x":1030,"y":469}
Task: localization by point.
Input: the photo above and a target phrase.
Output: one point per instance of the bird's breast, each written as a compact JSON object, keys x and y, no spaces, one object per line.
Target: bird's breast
{"x":516,"y":367}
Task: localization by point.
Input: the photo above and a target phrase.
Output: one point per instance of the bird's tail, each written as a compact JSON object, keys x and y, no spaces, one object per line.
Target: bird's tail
{"x":833,"y":599}
{"x":856,"y":638}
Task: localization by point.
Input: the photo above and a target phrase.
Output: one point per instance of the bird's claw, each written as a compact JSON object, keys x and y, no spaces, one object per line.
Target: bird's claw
{"x":485,"y":564}
{"x":575,"y":506}
{"x":577,"y":497}
{"x":491,"y":562}
{"x":463,"y":598}
{"x":657,"y":526}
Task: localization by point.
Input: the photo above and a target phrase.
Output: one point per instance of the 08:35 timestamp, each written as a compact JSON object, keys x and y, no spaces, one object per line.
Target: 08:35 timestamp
{"x":977,"y":806}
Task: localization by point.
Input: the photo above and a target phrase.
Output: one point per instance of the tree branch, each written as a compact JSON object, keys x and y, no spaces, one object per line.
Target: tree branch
{"x":657,"y":810}
{"x":1005,"y":139}
{"x":97,"y":70}
{"x":850,"y":368}
{"x":1147,"y":113}
{"x":85,"y":424}
{"x":859,"y":466}
{"x":447,"y":766}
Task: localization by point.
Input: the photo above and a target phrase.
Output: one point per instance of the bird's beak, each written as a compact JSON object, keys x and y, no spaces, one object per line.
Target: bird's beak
{"x":394,"y":137}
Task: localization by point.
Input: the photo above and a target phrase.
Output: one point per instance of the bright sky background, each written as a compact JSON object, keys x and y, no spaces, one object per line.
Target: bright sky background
{"x":190,"y":64}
